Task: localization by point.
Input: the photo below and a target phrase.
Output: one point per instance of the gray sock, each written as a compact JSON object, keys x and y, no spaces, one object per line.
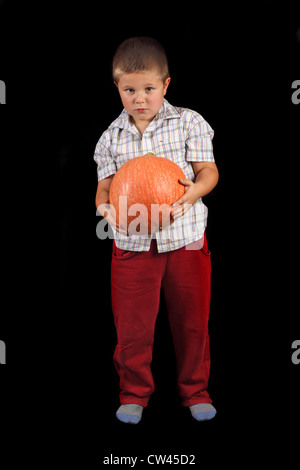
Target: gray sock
{"x":203,"y":411}
{"x":130,"y":413}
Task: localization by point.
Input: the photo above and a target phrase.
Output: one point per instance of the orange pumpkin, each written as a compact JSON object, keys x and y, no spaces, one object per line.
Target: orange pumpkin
{"x":142,"y":191}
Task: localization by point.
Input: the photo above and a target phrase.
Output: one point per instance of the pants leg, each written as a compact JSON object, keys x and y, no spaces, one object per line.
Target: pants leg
{"x":187,"y":288}
{"x":135,"y":285}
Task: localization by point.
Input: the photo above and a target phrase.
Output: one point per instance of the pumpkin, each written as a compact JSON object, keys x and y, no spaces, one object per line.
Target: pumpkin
{"x":142,"y":191}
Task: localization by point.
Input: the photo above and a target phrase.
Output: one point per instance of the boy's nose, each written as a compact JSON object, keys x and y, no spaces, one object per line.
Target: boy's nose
{"x":140,"y":98}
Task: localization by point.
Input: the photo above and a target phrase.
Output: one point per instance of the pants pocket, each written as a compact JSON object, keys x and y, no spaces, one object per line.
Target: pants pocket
{"x":204,"y":250}
{"x":118,"y":253}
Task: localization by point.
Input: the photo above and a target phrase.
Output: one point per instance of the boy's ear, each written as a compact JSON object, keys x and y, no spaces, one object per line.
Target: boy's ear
{"x":167,"y":83}
{"x":116,"y":84}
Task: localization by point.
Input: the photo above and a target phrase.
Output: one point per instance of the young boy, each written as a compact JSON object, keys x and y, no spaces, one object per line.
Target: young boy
{"x":175,"y":258}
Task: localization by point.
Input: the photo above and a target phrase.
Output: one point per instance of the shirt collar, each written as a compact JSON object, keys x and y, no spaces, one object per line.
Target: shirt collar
{"x":167,"y":111}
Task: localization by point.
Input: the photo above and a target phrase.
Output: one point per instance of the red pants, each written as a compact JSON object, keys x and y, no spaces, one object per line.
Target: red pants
{"x":136,"y":280}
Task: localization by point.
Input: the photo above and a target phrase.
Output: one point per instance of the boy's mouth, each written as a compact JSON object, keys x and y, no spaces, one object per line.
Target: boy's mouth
{"x":141,"y":110}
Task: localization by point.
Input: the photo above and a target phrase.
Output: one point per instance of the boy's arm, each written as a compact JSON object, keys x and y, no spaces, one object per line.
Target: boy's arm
{"x":103,"y":193}
{"x":102,"y":201}
{"x":207,"y":176}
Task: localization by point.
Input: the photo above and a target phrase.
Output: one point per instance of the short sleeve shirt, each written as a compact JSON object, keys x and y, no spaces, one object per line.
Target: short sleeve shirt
{"x":179,"y":134}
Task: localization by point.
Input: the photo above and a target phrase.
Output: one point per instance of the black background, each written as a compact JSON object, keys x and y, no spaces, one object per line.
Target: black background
{"x":234,"y":64}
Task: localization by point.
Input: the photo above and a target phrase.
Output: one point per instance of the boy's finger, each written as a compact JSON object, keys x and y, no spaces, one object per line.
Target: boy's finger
{"x":177,"y":212}
{"x":177,"y":204}
{"x":185,"y":182}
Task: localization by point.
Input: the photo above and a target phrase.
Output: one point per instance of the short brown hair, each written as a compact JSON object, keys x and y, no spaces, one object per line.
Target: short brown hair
{"x":140,"y":54}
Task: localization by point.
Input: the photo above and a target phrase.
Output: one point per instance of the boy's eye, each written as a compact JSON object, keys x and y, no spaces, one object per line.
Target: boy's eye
{"x":129,"y":90}
{"x":149,"y":88}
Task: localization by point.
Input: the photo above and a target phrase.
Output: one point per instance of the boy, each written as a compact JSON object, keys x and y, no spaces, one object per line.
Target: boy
{"x":175,"y":258}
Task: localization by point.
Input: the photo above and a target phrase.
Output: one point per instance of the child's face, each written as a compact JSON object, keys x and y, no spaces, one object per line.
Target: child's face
{"x":142,"y":95}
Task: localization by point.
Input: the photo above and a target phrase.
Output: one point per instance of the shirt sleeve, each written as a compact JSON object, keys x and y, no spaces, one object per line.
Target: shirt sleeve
{"x":105,"y":163}
{"x":199,"y":147}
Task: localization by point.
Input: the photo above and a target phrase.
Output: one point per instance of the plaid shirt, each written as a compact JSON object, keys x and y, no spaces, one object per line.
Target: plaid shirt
{"x":180,"y":134}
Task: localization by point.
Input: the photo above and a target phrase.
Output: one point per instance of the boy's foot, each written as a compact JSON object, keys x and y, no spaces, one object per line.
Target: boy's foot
{"x":203,"y":411}
{"x":130,"y":413}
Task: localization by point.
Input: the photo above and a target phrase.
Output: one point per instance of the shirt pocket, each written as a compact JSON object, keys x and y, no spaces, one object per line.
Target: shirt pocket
{"x":170,"y":148}
{"x":124,"y":149}
{"x":175,"y":150}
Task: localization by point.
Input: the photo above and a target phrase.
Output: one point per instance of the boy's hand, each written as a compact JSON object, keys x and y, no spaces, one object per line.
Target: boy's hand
{"x":207,"y":176}
{"x":108,"y":212}
{"x":111,"y":219}
{"x":183,"y":204}
{"x":104,"y":208}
